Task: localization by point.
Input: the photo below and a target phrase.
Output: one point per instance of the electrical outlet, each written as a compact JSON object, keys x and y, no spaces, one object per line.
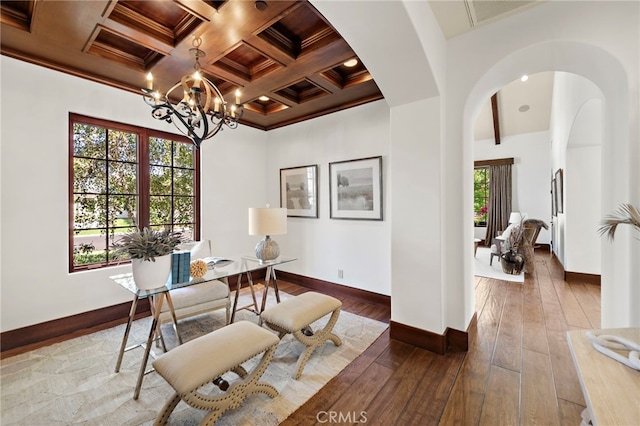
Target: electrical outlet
{"x":340,"y":273}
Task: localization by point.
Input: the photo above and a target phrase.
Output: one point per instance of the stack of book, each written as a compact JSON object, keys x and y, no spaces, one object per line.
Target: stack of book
{"x":180,"y":267}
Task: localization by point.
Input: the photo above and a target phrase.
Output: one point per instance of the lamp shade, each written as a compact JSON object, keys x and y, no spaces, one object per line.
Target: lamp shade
{"x":267,"y":221}
{"x":515,"y":217}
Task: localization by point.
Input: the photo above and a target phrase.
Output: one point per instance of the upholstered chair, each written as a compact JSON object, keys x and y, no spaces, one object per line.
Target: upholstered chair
{"x":199,"y":298}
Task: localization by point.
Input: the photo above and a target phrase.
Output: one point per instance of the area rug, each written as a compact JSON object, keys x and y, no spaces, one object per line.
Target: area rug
{"x":74,"y":382}
{"x":483,"y":269}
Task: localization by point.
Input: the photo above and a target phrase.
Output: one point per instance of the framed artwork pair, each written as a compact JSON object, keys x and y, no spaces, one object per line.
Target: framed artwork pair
{"x":355,"y":189}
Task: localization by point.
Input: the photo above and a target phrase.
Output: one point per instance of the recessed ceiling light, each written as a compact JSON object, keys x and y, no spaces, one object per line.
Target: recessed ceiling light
{"x":524,"y":78}
{"x":351,"y":63}
{"x":261,"y":5}
{"x":263,"y":98}
{"x":524,"y":108}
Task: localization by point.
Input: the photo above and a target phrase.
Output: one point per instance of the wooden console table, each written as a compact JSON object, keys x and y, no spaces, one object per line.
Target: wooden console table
{"x":610,"y":388}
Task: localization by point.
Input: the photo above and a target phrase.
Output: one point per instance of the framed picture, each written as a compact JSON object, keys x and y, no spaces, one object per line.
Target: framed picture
{"x":299,"y":191}
{"x":558,"y":191}
{"x":554,"y":205}
{"x":355,"y":189}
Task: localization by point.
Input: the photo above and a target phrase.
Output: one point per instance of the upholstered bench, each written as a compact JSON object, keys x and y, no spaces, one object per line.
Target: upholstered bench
{"x":296,"y":314}
{"x":204,"y":359}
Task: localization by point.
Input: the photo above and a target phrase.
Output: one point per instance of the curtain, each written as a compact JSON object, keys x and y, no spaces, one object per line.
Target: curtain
{"x":499,"y":200}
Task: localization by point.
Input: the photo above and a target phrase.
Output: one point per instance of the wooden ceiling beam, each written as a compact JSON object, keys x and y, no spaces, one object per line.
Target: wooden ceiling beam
{"x":496,"y":119}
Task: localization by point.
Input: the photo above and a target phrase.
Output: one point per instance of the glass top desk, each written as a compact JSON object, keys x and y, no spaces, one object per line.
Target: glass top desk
{"x":239,"y":266}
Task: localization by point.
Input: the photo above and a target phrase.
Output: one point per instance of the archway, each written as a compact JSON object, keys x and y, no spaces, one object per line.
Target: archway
{"x":609,"y":76}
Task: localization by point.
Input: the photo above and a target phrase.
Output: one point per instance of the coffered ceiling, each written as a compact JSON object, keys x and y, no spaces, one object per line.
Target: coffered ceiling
{"x":281,"y":50}
{"x":286,"y":52}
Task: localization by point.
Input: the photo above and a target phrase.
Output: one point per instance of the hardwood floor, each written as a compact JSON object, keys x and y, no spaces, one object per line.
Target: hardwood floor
{"x":518,"y":369}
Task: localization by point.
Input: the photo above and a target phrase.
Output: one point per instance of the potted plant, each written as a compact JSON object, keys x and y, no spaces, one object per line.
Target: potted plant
{"x":150,"y":254}
{"x":511,"y":259}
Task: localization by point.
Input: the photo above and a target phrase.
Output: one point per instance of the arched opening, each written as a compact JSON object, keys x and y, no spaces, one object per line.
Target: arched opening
{"x":579,"y":59}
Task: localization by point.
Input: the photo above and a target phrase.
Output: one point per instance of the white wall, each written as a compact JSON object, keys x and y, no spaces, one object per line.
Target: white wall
{"x":36,"y":284}
{"x":361,"y":248}
{"x":576,"y":129}
{"x":531,"y":179}
{"x":583,"y":206}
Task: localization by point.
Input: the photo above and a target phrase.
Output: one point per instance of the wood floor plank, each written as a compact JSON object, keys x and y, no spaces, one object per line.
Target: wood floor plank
{"x":589,"y":306}
{"x":502,"y":398}
{"x":508,"y":348}
{"x":534,"y":336}
{"x":364,"y":389}
{"x":396,"y":354}
{"x":389,"y":403}
{"x":338,"y":386}
{"x":553,"y":315}
{"x":467,"y":395}
{"x":426,"y":405}
{"x":566,"y":380}
{"x":569,"y":412}
{"x":538,"y":404}
{"x":595,"y":292}
{"x":465,"y":402}
{"x":572,"y":310}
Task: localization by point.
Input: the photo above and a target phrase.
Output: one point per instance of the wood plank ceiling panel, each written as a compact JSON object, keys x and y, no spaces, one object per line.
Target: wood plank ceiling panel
{"x":287,"y":52}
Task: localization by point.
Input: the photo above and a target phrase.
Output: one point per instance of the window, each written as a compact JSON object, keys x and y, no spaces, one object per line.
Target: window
{"x":480,"y":195}
{"x":123,"y":176}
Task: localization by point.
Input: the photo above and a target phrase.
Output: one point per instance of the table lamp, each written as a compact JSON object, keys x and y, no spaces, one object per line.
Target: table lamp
{"x":515,"y":217}
{"x":267,"y":222}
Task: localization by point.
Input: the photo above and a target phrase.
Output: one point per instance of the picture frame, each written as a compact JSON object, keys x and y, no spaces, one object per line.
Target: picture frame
{"x":559,"y":196}
{"x":554,"y":204}
{"x":355,"y":189}
{"x":299,"y":191}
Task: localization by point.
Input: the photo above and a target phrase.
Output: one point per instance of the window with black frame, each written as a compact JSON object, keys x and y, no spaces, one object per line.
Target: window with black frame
{"x":481,"y":178}
{"x":123,"y":177}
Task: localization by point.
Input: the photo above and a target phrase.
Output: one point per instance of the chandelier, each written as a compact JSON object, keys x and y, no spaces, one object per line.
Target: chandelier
{"x":201,"y":111}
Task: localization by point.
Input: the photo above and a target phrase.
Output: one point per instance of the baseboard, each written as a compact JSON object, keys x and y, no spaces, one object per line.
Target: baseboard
{"x":335,"y":289}
{"x":579,"y":277}
{"x":451,"y":340}
{"x":75,"y":325}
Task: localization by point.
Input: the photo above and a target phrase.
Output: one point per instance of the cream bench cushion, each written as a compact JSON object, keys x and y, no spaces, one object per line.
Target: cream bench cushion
{"x":204,"y":359}
{"x":295,"y":315}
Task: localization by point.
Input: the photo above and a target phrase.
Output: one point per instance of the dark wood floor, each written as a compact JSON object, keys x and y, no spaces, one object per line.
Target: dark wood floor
{"x":518,"y":369}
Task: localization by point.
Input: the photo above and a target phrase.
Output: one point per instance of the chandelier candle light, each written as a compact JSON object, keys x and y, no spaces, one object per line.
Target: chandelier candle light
{"x":201,"y":110}
{"x":267,"y":222}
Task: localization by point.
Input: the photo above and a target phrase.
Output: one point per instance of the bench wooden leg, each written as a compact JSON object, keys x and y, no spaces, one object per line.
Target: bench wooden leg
{"x":316,"y":340}
{"x":311,"y":341}
{"x":234,"y":396}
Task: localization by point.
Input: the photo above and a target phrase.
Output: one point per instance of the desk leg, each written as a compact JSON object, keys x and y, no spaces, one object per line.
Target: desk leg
{"x":175,"y":320}
{"x":132,"y":313}
{"x":147,"y":348}
{"x":275,"y":284}
{"x":253,"y":291}
{"x":235,"y":299}
{"x":268,"y":279}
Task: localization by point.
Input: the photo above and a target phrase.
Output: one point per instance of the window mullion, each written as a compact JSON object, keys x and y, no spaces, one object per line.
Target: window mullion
{"x":143,"y":180}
